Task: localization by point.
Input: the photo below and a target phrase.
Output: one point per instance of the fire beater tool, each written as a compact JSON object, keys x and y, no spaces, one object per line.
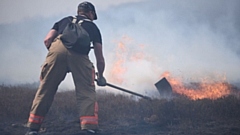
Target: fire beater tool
{"x":128,"y":91}
{"x":163,"y":86}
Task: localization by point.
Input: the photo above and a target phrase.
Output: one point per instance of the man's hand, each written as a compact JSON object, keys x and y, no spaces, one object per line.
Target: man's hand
{"x":101,"y":81}
{"x":47,"y":43}
{"x":49,"y":38}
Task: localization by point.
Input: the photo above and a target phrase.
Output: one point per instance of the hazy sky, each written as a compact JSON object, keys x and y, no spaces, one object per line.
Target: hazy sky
{"x":192,"y":39}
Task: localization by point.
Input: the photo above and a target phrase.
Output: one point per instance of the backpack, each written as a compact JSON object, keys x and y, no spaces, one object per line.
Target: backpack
{"x":75,"y":36}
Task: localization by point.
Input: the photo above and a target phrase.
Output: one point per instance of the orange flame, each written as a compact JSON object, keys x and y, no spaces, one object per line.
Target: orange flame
{"x":121,"y":56}
{"x":118,"y":66}
{"x":196,"y":91}
{"x":202,"y":90}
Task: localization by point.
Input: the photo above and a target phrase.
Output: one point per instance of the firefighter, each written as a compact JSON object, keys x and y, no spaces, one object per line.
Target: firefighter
{"x":59,"y":62}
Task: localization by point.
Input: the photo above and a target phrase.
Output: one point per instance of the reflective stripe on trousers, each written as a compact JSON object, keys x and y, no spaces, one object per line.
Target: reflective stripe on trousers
{"x":91,"y":120}
{"x":35,"y":119}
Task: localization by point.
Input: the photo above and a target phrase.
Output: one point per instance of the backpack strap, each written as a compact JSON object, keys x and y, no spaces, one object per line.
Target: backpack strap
{"x":84,"y":20}
{"x":80,"y":21}
{"x":74,"y":19}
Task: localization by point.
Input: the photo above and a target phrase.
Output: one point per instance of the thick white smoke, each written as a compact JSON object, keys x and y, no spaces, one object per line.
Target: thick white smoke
{"x":193,"y":41}
{"x":190,"y":39}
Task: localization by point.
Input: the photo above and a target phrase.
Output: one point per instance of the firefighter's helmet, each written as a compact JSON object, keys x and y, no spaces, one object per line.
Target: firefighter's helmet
{"x":87,"y":6}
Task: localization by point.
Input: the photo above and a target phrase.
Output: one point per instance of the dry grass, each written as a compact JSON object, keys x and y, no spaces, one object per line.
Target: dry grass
{"x":120,"y":113}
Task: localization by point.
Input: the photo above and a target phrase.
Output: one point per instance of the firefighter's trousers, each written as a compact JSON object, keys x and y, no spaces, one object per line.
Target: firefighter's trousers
{"x":59,"y":62}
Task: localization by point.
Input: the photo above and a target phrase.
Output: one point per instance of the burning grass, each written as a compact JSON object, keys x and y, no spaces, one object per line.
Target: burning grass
{"x":121,"y":114}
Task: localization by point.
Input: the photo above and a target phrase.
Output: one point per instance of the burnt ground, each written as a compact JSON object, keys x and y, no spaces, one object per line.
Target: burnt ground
{"x":58,"y":127}
{"x":121,"y":115}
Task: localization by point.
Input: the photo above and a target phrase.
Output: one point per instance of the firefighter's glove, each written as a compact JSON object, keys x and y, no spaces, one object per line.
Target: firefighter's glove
{"x":101,"y":81}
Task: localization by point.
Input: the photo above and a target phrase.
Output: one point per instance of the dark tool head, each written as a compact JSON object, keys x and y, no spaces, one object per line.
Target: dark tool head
{"x":164,"y":87}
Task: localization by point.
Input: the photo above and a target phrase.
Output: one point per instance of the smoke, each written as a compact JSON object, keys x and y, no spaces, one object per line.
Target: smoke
{"x":13,"y":11}
{"x":192,"y":40}
{"x":189,"y":39}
